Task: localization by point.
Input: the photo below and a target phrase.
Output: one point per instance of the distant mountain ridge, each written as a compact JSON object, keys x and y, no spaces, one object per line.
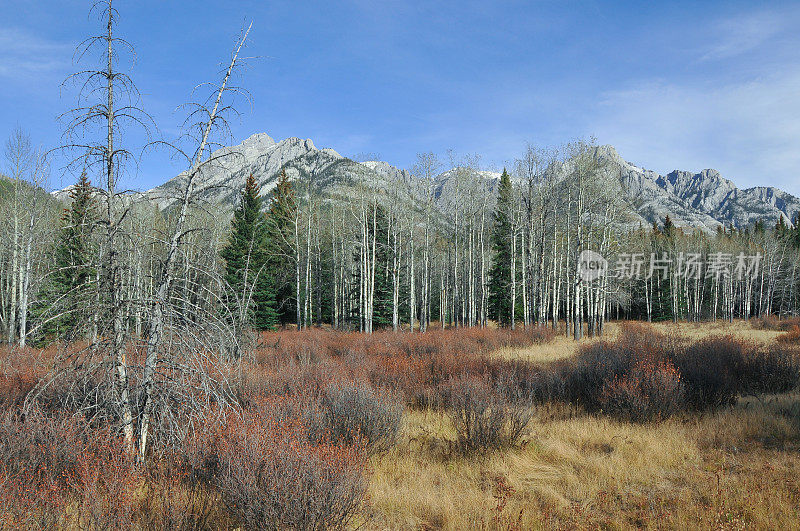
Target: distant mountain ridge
{"x":703,"y":200}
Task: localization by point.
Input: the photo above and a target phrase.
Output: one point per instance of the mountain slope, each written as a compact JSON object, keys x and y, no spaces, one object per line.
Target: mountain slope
{"x":703,"y":200}
{"x":264,"y":158}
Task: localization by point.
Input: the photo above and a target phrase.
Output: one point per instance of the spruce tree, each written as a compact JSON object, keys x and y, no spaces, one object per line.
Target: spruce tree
{"x":669,"y":227}
{"x":280,"y":219}
{"x":65,"y":299}
{"x":246,"y":264}
{"x":662,"y":241}
{"x":797,"y":230}
{"x":500,"y":271}
{"x":780,"y":226}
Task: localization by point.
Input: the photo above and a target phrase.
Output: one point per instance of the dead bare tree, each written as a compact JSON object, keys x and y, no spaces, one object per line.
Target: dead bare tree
{"x":199,"y":159}
{"x":108,"y":103}
{"x":166,"y":381}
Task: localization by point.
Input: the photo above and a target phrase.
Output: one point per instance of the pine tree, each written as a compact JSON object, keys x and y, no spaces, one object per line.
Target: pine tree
{"x":64,"y":301}
{"x":246,"y":264}
{"x":797,"y":230}
{"x":281,"y":218}
{"x":662,"y":241}
{"x":780,"y":226}
{"x":382,"y":296}
{"x":669,"y":227}
{"x":500,"y":271}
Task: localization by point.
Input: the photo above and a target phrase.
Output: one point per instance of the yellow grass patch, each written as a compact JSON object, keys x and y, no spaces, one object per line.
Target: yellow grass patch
{"x":563,"y":347}
{"x":738,"y":468}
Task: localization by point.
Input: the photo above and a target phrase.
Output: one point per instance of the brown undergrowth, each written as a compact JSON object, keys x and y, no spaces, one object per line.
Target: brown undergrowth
{"x":650,"y":428}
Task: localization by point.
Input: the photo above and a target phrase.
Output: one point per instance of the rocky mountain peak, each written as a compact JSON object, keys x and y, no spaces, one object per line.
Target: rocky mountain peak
{"x":703,"y":200}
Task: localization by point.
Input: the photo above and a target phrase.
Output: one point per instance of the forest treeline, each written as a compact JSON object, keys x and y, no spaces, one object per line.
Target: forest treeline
{"x":147,"y":317}
{"x":406,"y":254}
{"x":458,"y":249}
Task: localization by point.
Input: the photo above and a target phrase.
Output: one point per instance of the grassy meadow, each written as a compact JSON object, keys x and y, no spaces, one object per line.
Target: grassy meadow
{"x":737,"y":468}
{"x":669,"y":425}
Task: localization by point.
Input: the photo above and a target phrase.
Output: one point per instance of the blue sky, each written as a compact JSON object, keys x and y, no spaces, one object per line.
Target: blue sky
{"x":679,"y":85}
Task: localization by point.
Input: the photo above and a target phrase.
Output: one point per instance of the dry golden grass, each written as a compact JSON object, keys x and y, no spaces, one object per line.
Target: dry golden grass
{"x":564,"y":347}
{"x":733,"y":469}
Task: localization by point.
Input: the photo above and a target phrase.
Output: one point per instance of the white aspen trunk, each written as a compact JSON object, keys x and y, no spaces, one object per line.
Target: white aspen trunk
{"x":426,"y":280}
{"x":307,"y":312}
{"x":297,"y":273}
{"x":525,"y":309}
{"x":395,"y":278}
{"x":513,"y":280}
{"x":484,"y":295}
{"x":12,"y":302}
{"x":371,"y":292}
{"x":26,"y":282}
{"x":412,"y":300}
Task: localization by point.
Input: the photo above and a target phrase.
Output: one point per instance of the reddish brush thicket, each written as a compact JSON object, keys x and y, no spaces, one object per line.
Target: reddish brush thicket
{"x":644,"y":375}
{"x":353,"y":412}
{"x":334,"y":404}
{"x":792,"y":336}
{"x":14,"y":388}
{"x":313,"y":405}
{"x":20,"y":370}
{"x":48,"y":464}
{"x":317,"y":343}
{"x":772,"y":322}
{"x":414,"y":365}
{"x":270,"y":476}
{"x":169,"y":501}
{"x":715,"y":371}
{"x":650,"y":391}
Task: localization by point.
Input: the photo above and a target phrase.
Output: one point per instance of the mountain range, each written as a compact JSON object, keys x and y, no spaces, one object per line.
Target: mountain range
{"x":703,"y":200}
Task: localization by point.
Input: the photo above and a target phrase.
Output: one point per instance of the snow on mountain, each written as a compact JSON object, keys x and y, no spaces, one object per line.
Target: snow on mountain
{"x":703,"y":200}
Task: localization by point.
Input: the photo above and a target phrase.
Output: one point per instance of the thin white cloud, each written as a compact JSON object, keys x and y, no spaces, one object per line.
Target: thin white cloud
{"x":23,"y":54}
{"x":750,"y":130}
{"x":734,"y":36}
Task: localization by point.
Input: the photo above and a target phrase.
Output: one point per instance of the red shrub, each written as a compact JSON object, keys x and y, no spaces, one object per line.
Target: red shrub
{"x":773,"y":322}
{"x":170,"y":502}
{"x":14,"y":388}
{"x":354,"y":411}
{"x":791,"y":336}
{"x":47,"y":463}
{"x":412,"y":364}
{"x":270,"y":476}
{"x":715,"y":371}
{"x":650,"y":391}
{"x":775,"y":370}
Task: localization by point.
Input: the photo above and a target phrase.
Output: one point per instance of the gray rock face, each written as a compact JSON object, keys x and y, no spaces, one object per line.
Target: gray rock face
{"x":703,"y":200}
{"x":222,"y":180}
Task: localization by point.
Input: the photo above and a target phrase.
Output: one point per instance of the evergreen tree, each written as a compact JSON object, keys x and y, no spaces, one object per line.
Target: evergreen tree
{"x":65,"y":299}
{"x":797,"y":230}
{"x":382,"y":296}
{"x":245,"y":255}
{"x":500,"y":271}
{"x":780,"y":226}
{"x":281,"y":218}
{"x":662,"y":241}
{"x":669,"y":227}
